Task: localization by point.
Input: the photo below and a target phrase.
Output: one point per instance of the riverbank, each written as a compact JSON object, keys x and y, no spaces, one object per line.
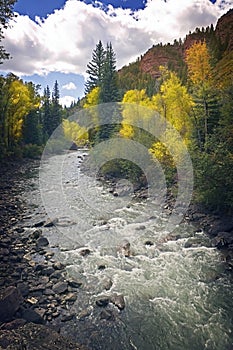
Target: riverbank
{"x":36,"y":293}
{"x":33,"y":290}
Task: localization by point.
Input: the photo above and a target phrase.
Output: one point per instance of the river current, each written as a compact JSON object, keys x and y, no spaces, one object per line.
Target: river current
{"x":178,"y":294}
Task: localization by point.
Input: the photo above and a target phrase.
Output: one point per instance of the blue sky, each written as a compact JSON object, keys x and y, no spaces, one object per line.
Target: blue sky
{"x":53,"y":39}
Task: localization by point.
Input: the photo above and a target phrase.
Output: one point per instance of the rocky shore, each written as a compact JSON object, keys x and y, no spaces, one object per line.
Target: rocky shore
{"x":36,"y":295}
{"x":33,"y":288}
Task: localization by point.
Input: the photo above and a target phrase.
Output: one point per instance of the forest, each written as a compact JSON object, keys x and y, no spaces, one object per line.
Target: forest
{"x":193,"y":91}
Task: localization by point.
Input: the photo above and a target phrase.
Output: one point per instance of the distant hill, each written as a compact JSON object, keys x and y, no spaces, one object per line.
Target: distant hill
{"x":144,"y":72}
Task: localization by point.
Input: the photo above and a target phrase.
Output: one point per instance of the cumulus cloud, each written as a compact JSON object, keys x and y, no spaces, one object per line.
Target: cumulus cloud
{"x":67,"y":100}
{"x":69,"y":86}
{"x":65,"y":39}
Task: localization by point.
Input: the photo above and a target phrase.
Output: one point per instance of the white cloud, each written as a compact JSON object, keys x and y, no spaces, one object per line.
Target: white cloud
{"x":69,"y":86}
{"x":65,"y":39}
{"x":67,"y":100}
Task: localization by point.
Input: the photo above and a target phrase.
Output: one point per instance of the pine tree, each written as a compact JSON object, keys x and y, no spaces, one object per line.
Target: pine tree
{"x":56,"y":109}
{"x":109,"y":89}
{"x":95,"y":68}
{"x":47,"y":129}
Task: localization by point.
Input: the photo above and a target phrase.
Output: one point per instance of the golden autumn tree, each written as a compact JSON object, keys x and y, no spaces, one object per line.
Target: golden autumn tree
{"x":200,"y":75}
{"x":74,"y":132}
{"x":134,"y":115}
{"x":19,"y":100}
{"x":174,"y":104}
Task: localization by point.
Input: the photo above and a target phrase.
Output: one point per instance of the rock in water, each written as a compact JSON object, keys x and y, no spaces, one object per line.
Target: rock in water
{"x":119,"y":301}
{"x":10,"y":300}
{"x":125,"y":248}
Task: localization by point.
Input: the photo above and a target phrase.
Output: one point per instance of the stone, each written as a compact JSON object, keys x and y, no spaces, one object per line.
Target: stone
{"x":118,"y":300}
{"x":10,"y":300}
{"x":39,"y":223}
{"x":73,"y":147}
{"x":66,"y":318}
{"x":48,"y":271}
{"x":149,"y":243}
{"x":74,"y":284}
{"x":107,"y":284}
{"x":36,"y":234}
{"x":32,"y":316}
{"x":102,"y":301}
{"x":58,"y":266}
{"x":42,"y":242}
{"x":70,"y":297}
{"x":124,"y":248}
{"x":23,"y":288}
{"x":60,"y":287}
{"x":51,"y":223}
{"x":85,"y":252}
{"x":107,"y":315}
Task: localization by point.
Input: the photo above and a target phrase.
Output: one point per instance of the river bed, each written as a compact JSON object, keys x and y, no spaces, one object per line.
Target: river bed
{"x":177,"y":293}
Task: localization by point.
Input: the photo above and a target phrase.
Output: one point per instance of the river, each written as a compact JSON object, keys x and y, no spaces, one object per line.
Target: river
{"x":178,"y":295}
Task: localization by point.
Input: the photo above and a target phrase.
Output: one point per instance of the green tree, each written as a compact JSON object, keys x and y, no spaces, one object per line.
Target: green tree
{"x":95,"y":68}
{"x":56,"y":109}
{"x":108,"y":86}
{"x":6,"y":13}
{"x":46,"y":113}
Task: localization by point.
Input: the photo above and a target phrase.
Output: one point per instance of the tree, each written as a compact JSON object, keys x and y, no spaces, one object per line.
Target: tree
{"x":46,"y":113}
{"x":51,"y":111}
{"x":199,"y":71}
{"x":17,"y":100}
{"x":95,"y":68}
{"x":56,"y":109}
{"x":108,"y":85}
{"x":6,"y":13}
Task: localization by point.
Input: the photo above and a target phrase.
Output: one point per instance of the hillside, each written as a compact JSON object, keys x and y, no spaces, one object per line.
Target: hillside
{"x":143,"y":72}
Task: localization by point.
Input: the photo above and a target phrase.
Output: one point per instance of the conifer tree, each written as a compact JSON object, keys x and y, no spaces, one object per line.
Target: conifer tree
{"x":109,"y":90}
{"x":56,"y":108}
{"x":47,"y":130}
{"x":95,"y":68}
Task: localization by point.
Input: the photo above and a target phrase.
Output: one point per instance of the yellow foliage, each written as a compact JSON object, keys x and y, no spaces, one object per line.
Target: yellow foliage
{"x":92,"y":98}
{"x":198,"y":61}
{"x":174,"y":103}
{"x":74,"y":132}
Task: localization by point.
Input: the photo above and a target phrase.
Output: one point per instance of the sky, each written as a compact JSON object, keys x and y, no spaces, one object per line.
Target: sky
{"x":53,"y":39}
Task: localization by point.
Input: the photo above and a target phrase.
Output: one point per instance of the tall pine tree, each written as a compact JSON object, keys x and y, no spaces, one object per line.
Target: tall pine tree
{"x":95,"y":68}
{"x":108,"y":87}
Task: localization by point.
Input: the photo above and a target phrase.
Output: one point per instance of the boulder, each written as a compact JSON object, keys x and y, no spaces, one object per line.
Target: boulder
{"x":10,"y":300}
{"x":32,"y":316}
{"x":102,"y":301}
{"x":118,"y":300}
{"x":42,"y":242}
{"x":60,"y":287}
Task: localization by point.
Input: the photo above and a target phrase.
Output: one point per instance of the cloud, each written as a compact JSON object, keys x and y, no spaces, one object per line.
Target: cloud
{"x":69,"y":86}
{"x":67,"y":100}
{"x":65,"y":39}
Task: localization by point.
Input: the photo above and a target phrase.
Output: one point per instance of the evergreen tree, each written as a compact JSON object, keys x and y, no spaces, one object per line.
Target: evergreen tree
{"x":109,"y":89}
{"x":95,"y":68}
{"x":46,"y":112}
{"x":56,"y":117}
{"x":6,"y":13}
